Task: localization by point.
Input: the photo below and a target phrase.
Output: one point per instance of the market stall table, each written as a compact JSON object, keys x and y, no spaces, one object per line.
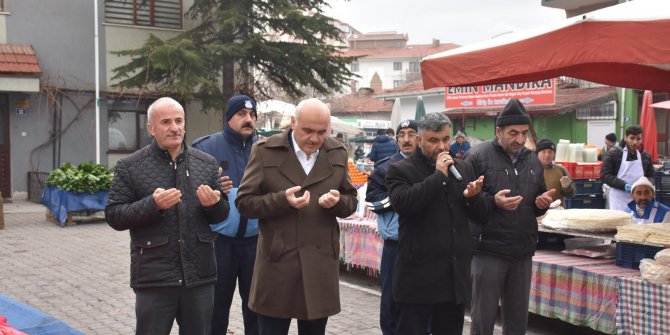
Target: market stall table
{"x":360,"y":242}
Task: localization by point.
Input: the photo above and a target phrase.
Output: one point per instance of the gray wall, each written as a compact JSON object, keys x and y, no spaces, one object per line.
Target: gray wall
{"x":62,"y":34}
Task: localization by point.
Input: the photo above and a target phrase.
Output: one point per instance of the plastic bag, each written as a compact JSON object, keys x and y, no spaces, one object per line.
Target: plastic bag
{"x":663,"y":257}
{"x":654,"y":272}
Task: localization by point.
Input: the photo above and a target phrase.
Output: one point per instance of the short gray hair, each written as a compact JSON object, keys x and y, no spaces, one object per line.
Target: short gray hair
{"x":162,"y":101}
{"x":434,"y":122}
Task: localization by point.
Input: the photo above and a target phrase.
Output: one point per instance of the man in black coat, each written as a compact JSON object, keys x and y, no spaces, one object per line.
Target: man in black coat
{"x":515,"y":190}
{"x":431,"y":275}
{"x":167,"y":195}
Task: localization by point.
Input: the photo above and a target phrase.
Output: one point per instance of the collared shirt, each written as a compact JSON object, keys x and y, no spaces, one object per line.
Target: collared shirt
{"x":306,"y":161}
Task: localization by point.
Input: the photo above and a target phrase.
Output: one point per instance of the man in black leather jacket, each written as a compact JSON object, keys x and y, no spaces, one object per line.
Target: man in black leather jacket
{"x":167,"y":195}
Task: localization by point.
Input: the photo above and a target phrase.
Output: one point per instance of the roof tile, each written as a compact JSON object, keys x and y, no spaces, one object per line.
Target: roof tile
{"x":18,"y":59}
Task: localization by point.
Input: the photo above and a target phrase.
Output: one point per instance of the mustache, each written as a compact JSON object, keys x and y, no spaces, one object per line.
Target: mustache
{"x":247,"y":125}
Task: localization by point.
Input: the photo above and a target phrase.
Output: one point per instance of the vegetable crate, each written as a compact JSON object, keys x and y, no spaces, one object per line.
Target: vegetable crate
{"x":588,"y":186}
{"x":588,"y":201}
{"x":629,"y":255}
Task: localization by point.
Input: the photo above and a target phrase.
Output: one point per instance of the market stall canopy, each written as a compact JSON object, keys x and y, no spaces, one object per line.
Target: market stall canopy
{"x":663,"y":104}
{"x":279,"y":106}
{"x":625,"y":45}
{"x":339,"y":126}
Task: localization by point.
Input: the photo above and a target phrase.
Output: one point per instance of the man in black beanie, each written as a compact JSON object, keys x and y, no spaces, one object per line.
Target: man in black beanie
{"x":555,"y":176}
{"x":514,"y":186}
{"x":235,"y":245}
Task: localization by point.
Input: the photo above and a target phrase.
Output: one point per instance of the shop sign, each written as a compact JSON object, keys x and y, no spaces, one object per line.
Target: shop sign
{"x":542,"y":92}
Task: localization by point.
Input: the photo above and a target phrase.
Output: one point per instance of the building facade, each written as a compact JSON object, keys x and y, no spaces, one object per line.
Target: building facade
{"x":47,"y":117}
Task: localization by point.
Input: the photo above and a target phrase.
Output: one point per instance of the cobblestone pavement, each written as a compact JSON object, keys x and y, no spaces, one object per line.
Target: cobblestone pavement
{"x":80,"y":275}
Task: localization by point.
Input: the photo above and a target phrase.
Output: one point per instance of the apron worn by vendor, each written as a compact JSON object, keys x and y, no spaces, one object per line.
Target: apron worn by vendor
{"x":629,"y":171}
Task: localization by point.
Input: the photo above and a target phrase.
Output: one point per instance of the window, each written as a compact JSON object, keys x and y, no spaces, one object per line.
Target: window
{"x":126,"y":121}
{"x":2,"y":5}
{"x":397,"y":66}
{"x":413,"y":66}
{"x":152,"y":13}
{"x":606,"y":111}
{"x":354,"y":67}
{"x":397,"y":83}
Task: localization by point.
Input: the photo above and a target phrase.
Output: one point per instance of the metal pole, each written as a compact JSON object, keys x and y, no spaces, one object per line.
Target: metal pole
{"x":97,"y":85}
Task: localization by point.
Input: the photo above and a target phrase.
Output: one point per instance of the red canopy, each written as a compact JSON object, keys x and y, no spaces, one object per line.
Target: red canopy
{"x":648,"y":123}
{"x":626,"y":45}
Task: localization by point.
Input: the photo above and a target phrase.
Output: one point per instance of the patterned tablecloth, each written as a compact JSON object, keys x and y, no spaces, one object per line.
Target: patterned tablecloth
{"x":578,"y":290}
{"x":644,"y":308}
{"x":360,"y":242}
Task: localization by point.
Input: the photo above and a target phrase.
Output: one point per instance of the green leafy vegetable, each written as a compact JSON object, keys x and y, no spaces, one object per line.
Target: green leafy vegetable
{"x":87,"y":177}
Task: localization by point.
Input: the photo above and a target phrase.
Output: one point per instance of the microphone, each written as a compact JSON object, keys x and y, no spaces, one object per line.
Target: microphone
{"x":455,"y":173}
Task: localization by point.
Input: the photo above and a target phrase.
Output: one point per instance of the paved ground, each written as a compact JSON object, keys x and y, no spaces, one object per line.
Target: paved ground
{"x":80,"y":274}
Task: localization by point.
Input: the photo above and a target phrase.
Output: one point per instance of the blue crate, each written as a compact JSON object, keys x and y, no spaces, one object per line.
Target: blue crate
{"x":588,"y":186}
{"x":589,"y":201}
{"x":663,"y":197}
{"x":629,"y":255}
{"x":662,"y":181}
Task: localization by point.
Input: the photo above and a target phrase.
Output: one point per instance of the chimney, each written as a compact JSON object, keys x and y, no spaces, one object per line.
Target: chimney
{"x":436,"y":42}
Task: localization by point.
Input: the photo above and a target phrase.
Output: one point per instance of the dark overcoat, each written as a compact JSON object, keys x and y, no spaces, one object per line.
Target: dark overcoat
{"x":434,"y":243}
{"x":297,"y":262}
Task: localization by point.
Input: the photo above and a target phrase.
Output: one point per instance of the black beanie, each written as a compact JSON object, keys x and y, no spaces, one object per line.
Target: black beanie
{"x":513,"y":113}
{"x":611,"y":137}
{"x":408,"y":124}
{"x":239,"y":102}
{"x":544,"y":144}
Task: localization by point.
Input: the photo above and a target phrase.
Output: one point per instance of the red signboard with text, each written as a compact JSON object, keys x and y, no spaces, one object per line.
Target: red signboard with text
{"x":541,"y":92}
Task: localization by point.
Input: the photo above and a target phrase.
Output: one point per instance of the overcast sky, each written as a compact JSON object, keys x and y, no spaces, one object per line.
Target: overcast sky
{"x":451,"y":21}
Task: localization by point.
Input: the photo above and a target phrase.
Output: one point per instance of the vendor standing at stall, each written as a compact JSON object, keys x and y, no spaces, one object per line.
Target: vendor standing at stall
{"x":624,"y":166}
{"x":555,"y":176}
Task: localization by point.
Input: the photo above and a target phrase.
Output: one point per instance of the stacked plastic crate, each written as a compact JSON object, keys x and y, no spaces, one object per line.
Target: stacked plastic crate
{"x":589,"y":193}
{"x":663,"y":187}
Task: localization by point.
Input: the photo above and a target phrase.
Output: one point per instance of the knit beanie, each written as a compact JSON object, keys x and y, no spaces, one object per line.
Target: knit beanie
{"x":459,"y":134}
{"x":408,"y":124}
{"x":239,"y":102}
{"x":611,"y":137}
{"x":513,"y":113}
{"x":643,"y":181}
{"x":544,"y":144}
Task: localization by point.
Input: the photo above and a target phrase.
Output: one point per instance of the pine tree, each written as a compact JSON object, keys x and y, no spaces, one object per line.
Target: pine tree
{"x":232,"y":50}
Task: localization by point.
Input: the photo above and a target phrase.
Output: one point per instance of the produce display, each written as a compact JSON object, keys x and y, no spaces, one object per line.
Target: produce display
{"x":87,"y":177}
{"x":586,"y":219}
{"x":357,"y":177}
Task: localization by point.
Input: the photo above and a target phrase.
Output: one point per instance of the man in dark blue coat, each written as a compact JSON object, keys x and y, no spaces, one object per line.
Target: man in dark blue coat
{"x":377,"y":199}
{"x":431,"y":274}
{"x":383,"y":146}
{"x":238,"y":235}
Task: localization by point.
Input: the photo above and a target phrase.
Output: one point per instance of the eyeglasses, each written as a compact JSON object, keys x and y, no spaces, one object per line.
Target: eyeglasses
{"x":411,"y":136}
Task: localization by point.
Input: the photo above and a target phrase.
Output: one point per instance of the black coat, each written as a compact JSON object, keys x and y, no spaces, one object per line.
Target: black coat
{"x":612,"y":163}
{"x":434,"y":244}
{"x":510,"y":234}
{"x":174,"y":246}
